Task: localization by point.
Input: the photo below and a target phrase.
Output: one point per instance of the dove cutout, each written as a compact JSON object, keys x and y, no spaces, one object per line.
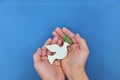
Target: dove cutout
{"x":60,"y":52}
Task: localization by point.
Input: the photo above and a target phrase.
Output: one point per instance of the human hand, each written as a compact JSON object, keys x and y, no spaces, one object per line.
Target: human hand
{"x":74,"y":63}
{"x":46,"y":70}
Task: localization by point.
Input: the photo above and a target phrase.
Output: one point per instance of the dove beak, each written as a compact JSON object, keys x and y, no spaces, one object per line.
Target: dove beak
{"x":68,"y":44}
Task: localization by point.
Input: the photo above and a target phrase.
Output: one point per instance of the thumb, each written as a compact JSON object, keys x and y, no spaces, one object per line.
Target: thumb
{"x":37,"y":56}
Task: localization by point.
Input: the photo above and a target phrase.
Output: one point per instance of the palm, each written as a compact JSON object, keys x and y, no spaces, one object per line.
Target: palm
{"x":77,"y":52}
{"x":47,"y":71}
{"x":72,"y":59}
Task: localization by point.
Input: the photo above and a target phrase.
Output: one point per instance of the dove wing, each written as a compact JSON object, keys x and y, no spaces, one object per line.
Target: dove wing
{"x":53,"y":48}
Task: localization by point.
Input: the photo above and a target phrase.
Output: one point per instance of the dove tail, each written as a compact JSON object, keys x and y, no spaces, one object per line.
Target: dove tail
{"x":51,"y":59}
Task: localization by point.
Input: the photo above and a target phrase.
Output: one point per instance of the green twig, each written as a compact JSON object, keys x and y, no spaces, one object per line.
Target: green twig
{"x":67,"y":39}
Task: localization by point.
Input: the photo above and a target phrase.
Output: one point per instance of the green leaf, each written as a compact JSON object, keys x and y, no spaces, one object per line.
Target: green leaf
{"x":67,"y":39}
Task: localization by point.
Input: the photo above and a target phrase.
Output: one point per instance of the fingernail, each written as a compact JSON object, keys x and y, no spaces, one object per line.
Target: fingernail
{"x":55,"y":38}
{"x":77,"y":34}
{"x":56,"y":28}
{"x":64,"y":28}
{"x":53,"y":32}
{"x":38,"y":48}
{"x":49,"y":39}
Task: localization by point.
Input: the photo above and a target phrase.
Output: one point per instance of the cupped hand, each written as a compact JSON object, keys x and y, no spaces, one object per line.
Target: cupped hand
{"x":74,"y":63}
{"x":46,"y":70}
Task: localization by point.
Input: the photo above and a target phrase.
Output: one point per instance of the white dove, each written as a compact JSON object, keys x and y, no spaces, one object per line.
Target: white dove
{"x":60,"y":52}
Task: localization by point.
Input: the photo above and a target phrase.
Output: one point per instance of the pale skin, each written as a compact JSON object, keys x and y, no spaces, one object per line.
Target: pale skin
{"x":72,"y":66}
{"x":44,"y":69}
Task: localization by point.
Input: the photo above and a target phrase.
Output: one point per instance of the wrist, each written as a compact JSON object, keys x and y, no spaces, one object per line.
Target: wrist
{"x":51,"y":78}
{"x":78,"y":75}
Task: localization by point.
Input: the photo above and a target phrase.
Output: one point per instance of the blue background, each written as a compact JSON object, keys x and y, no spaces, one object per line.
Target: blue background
{"x":25,"y":26}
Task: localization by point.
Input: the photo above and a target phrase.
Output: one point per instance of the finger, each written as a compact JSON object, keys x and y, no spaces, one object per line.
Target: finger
{"x":55,"y":34}
{"x":44,"y":52}
{"x":44,"y":55}
{"x":48,"y":42}
{"x":54,"y":41}
{"x":57,"y":63}
{"x":59,"y":42}
{"x":45,"y":58}
{"x":37,"y":56}
{"x":44,"y":49}
{"x":38,"y":52}
{"x":70,"y":34}
{"x":81,"y":41}
{"x":69,"y":49}
{"x":75,"y":46}
{"x":60,"y":32}
{"x":78,"y":39}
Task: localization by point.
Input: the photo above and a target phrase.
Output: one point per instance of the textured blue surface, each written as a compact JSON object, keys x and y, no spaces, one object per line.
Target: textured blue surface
{"x":25,"y":25}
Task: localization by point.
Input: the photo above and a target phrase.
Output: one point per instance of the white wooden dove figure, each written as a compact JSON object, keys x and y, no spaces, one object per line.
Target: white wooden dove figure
{"x":60,"y":52}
